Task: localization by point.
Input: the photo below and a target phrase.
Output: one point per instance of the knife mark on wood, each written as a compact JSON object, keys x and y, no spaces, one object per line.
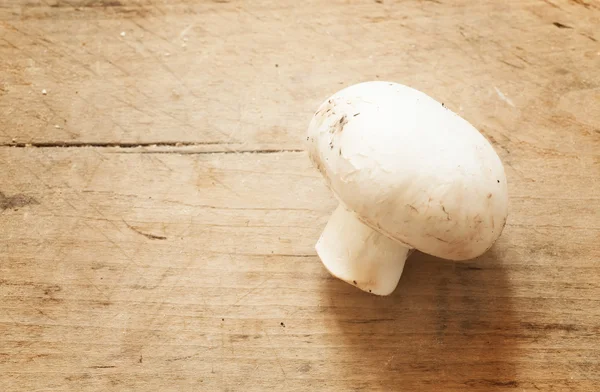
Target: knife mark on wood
{"x":147,"y":235}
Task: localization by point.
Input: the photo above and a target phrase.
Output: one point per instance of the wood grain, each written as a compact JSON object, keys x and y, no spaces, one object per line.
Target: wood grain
{"x":158,"y":214}
{"x":248,"y":75}
{"x":185,"y":271}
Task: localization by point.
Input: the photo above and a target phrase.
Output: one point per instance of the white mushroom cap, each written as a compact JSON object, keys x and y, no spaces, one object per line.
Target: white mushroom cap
{"x":410,"y":169}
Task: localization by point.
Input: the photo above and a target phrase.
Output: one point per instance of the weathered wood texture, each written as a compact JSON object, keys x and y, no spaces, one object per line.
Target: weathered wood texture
{"x":247,"y":74}
{"x":192,"y":267}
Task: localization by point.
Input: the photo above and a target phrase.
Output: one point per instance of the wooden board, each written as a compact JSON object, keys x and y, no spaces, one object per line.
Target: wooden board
{"x":153,"y":271}
{"x":189,"y":265}
{"x":248,"y":75}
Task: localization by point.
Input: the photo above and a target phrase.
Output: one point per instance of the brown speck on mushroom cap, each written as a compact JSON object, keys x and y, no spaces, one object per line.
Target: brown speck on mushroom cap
{"x":338,"y":126}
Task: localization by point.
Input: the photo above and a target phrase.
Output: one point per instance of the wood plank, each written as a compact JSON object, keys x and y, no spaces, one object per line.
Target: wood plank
{"x":189,"y":270}
{"x":154,"y":252}
{"x":248,"y":75}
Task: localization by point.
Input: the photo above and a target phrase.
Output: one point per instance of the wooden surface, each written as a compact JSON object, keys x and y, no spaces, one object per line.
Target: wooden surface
{"x":158,"y":214}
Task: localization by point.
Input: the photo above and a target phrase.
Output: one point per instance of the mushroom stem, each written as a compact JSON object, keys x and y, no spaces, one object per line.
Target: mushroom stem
{"x":359,"y":255}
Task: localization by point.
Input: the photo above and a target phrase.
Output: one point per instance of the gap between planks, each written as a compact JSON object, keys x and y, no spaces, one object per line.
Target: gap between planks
{"x":154,"y":147}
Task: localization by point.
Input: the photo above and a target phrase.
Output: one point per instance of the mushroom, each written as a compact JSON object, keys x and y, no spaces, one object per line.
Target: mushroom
{"x":409,"y":174}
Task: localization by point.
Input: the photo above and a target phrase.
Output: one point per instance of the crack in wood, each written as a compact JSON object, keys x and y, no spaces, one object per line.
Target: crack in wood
{"x":261,"y":151}
{"x":128,"y":147}
{"x":70,"y":144}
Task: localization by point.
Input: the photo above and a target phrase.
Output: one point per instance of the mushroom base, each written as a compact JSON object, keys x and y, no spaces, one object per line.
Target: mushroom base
{"x":359,"y":255}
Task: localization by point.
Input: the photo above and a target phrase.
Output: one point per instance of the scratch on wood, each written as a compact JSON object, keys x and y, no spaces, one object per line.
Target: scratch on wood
{"x":215,"y":179}
{"x":45,"y":315}
{"x":276,"y":355}
{"x":251,"y":291}
{"x":512,"y":65}
{"x":589,"y":37}
{"x":147,"y":235}
{"x":581,"y":2}
{"x":181,"y":358}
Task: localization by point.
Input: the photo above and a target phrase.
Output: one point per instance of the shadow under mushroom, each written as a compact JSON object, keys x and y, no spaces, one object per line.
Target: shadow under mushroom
{"x":444,"y":328}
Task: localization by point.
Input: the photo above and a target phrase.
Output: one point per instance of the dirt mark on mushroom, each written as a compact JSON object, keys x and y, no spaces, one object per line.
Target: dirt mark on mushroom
{"x":338,"y":126}
{"x":413,"y":208}
{"x":446,"y":212}
{"x":439,"y":239}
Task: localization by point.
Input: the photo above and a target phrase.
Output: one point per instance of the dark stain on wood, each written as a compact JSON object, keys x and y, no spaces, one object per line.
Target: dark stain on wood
{"x":550,"y":327}
{"x":561,"y":26}
{"x":89,"y":4}
{"x":369,"y":321}
{"x":441,"y":306}
{"x":493,"y":383}
{"x":238,"y":337}
{"x":111,"y":3}
{"x":78,"y":377}
{"x":304,"y":368}
{"x":50,"y":290}
{"x":474,"y":268}
{"x":15,"y":202}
